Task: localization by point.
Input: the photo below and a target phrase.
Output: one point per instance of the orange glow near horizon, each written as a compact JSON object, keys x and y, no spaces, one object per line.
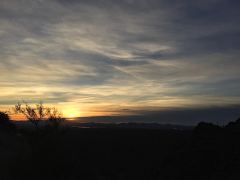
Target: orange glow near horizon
{"x":71,"y":113}
{"x":67,"y":112}
{"x":18,"y":117}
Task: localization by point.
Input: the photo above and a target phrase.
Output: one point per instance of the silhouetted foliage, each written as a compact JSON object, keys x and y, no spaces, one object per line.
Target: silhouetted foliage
{"x":5,"y":121}
{"x":33,"y":114}
{"x":55,"y":118}
{"x":233,"y":126}
{"x":4,"y":118}
{"x":38,"y":113}
{"x":206,"y":130}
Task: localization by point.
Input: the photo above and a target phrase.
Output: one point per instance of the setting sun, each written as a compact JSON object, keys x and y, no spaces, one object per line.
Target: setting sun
{"x":71,"y":113}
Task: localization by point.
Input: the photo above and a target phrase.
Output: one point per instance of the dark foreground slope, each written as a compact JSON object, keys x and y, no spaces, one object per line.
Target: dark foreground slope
{"x":207,"y":152}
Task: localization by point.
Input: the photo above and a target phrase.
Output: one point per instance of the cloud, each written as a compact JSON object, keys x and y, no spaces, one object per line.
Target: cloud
{"x":120,"y":54}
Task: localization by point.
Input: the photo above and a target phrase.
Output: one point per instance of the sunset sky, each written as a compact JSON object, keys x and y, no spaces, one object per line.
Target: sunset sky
{"x":110,"y":57}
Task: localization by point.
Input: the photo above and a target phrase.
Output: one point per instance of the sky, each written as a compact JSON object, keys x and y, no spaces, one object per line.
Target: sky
{"x":128,"y":57}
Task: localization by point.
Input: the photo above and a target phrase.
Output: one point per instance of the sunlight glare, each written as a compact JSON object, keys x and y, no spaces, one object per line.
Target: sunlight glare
{"x":71,"y":113}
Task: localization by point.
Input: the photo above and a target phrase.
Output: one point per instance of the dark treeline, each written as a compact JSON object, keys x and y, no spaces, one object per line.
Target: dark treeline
{"x":49,"y":152}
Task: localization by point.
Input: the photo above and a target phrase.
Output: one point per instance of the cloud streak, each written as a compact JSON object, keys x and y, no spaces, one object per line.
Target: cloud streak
{"x":112,"y":55}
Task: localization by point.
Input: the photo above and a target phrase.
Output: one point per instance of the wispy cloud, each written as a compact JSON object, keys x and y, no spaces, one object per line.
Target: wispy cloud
{"x":120,"y":54}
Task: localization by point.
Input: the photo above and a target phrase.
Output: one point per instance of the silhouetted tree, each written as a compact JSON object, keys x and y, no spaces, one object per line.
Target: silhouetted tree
{"x":233,"y":125}
{"x":55,"y":118}
{"x":5,"y":120}
{"x":206,"y":131}
{"x":38,"y":113}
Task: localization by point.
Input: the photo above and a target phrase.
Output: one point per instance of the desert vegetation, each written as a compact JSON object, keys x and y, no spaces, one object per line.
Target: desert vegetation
{"x":39,"y":113}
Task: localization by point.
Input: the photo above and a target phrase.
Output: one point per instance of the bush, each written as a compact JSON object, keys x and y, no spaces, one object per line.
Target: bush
{"x":5,"y":122}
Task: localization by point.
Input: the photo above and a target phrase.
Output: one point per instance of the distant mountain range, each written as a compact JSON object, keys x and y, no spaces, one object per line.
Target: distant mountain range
{"x":133,"y":125}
